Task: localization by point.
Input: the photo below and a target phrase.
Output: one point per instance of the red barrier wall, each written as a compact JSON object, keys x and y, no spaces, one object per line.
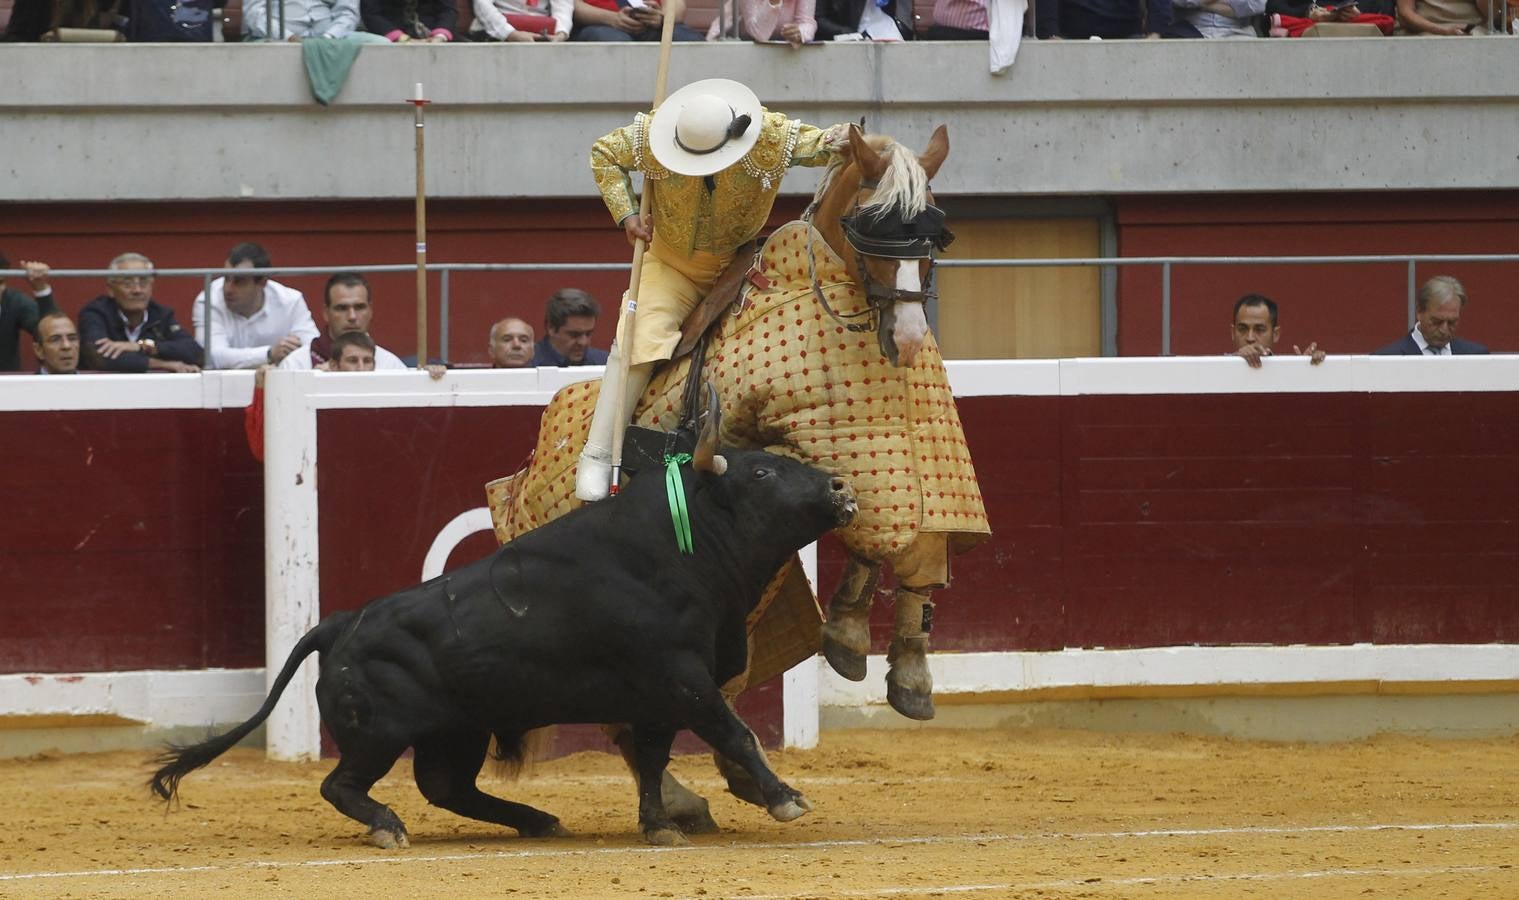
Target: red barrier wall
{"x":132,"y":539}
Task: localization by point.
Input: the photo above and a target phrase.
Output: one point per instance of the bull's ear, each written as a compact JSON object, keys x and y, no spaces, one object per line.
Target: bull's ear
{"x":938,"y":149}
{"x":706,"y":458}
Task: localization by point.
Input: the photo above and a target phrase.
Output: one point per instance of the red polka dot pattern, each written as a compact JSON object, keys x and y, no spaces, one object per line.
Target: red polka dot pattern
{"x":790,"y":377}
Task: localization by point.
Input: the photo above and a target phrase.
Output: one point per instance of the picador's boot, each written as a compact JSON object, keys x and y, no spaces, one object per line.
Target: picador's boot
{"x":909,"y":686}
{"x":846,"y":634}
{"x":593,"y":474}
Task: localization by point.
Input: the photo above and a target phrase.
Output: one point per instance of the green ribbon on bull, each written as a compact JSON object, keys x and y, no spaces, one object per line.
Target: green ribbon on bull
{"x":675,"y":488}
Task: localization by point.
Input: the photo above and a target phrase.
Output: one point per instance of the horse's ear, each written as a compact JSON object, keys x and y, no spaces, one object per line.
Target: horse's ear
{"x":938,"y":149}
{"x":872,"y":164}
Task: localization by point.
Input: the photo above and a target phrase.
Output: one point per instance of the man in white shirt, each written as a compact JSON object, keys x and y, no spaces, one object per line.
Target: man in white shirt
{"x":346,"y":307}
{"x":254,"y":319}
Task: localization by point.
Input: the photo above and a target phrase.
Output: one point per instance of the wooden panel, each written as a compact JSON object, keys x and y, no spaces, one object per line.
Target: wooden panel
{"x":131,"y":540}
{"x":1006,"y":313}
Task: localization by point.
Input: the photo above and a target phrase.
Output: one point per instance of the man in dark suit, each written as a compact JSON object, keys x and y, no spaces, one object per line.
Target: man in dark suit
{"x":1437,"y":315}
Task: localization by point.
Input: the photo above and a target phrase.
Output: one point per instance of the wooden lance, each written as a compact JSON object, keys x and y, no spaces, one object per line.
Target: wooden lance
{"x":418,"y":102}
{"x":628,"y":319}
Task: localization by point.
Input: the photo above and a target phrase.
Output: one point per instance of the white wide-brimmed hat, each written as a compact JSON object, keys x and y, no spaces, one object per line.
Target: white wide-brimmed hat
{"x":705,"y":127}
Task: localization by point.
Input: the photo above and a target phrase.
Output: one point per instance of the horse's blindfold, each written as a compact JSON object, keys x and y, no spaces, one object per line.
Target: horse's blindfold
{"x":888,"y":234}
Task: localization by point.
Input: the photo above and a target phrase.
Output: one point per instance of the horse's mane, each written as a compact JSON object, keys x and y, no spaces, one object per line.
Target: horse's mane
{"x":903,"y":186}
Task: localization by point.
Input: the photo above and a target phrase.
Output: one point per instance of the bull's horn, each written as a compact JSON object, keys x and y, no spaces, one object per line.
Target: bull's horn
{"x":706,"y":458}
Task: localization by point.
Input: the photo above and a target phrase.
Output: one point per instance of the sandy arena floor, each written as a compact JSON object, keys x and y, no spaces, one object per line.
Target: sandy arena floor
{"x":898,"y":814}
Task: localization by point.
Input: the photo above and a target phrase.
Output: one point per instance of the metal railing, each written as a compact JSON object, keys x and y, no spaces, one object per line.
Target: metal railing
{"x":1166,"y":264}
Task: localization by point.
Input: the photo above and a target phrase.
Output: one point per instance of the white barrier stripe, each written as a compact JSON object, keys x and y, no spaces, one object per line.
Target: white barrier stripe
{"x":1096,"y":883}
{"x":777,"y":845}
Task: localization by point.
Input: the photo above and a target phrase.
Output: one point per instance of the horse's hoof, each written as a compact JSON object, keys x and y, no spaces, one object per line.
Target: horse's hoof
{"x":848,"y":663}
{"x":665,"y":837}
{"x":697,"y":823}
{"x":550,"y":830}
{"x":791,"y":809}
{"x":386,"y":839}
{"x":917,"y":705}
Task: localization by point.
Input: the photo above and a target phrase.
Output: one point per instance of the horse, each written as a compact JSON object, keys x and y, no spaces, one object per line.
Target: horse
{"x":799,"y":375}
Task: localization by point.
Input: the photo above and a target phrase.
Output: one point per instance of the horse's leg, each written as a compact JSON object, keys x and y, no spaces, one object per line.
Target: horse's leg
{"x":846,"y":634}
{"x":921,"y":568}
{"x":690,"y":810}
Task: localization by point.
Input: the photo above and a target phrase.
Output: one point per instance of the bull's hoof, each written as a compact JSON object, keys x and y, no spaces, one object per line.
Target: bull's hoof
{"x":697,"y":823}
{"x":665,"y":837}
{"x":913,"y":704}
{"x":389,"y":839}
{"x":791,"y":809}
{"x":548,"y":830}
{"x":848,"y":663}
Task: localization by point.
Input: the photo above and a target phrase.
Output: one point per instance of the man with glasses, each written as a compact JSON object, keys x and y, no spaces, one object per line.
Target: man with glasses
{"x":18,"y":312}
{"x":57,"y":345}
{"x":254,"y":319}
{"x":128,"y":331}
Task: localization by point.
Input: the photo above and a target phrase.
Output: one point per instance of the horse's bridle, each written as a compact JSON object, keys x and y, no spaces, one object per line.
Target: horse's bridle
{"x":885,"y":235}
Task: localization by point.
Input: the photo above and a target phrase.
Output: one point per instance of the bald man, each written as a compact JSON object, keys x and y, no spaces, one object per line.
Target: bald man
{"x":511,"y":344}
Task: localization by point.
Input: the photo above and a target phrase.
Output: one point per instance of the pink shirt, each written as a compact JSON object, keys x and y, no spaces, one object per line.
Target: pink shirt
{"x":967,"y":14}
{"x":763,"y":19}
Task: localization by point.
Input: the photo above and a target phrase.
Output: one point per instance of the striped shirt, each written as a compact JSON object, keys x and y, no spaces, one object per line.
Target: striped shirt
{"x":967,"y":14}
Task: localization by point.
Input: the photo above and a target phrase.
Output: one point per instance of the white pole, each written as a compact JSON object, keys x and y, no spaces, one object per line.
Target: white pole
{"x":291,"y":600}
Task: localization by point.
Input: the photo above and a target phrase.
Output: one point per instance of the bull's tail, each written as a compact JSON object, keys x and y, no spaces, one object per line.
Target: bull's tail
{"x":178,"y":760}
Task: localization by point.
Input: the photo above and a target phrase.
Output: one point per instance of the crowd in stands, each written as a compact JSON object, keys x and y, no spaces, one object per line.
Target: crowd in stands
{"x":251,"y":322}
{"x":789,"y":21}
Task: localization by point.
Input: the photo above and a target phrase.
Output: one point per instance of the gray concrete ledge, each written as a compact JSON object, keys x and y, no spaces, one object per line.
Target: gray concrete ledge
{"x":218,"y":121}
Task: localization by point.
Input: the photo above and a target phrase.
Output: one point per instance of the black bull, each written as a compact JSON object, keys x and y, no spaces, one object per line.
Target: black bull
{"x":592,"y":618}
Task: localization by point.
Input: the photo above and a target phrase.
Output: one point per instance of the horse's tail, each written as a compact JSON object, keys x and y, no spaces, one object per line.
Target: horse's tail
{"x":178,"y":760}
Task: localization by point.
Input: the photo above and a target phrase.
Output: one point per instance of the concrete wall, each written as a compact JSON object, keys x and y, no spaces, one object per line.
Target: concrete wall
{"x":223,"y":121}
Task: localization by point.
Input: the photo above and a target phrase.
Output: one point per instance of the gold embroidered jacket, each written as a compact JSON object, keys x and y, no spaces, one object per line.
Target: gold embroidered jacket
{"x":687,"y":216}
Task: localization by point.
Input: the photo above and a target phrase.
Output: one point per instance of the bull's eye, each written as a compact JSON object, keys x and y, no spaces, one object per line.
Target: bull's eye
{"x":762,"y":474}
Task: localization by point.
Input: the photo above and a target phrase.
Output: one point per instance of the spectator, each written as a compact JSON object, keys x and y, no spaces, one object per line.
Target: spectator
{"x":1290,"y":18}
{"x":346,"y":307}
{"x":1444,"y":17}
{"x":1214,"y":18}
{"x":29,"y":20}
{"x":400,"y":21}
{"x":18,"y":312}
{"x":966,"y":20}
{"x":872,"y":19}
{"x":304,"y":19}
{"x":168,"y":21}
{"x":1256,"y":331}
{"x":511,"y":344}
{"x":128,"y":331}
{"x":254,"y":320}
{"x":352,"y":351}
{"x":522,"y":21}
{"x":569,"y":319}
{"x":57,"y":345}
{"x":1437,"y":315}
{"x":784,"y":20}
{"x":1107,"y":19}
{"x":624,"y":20}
